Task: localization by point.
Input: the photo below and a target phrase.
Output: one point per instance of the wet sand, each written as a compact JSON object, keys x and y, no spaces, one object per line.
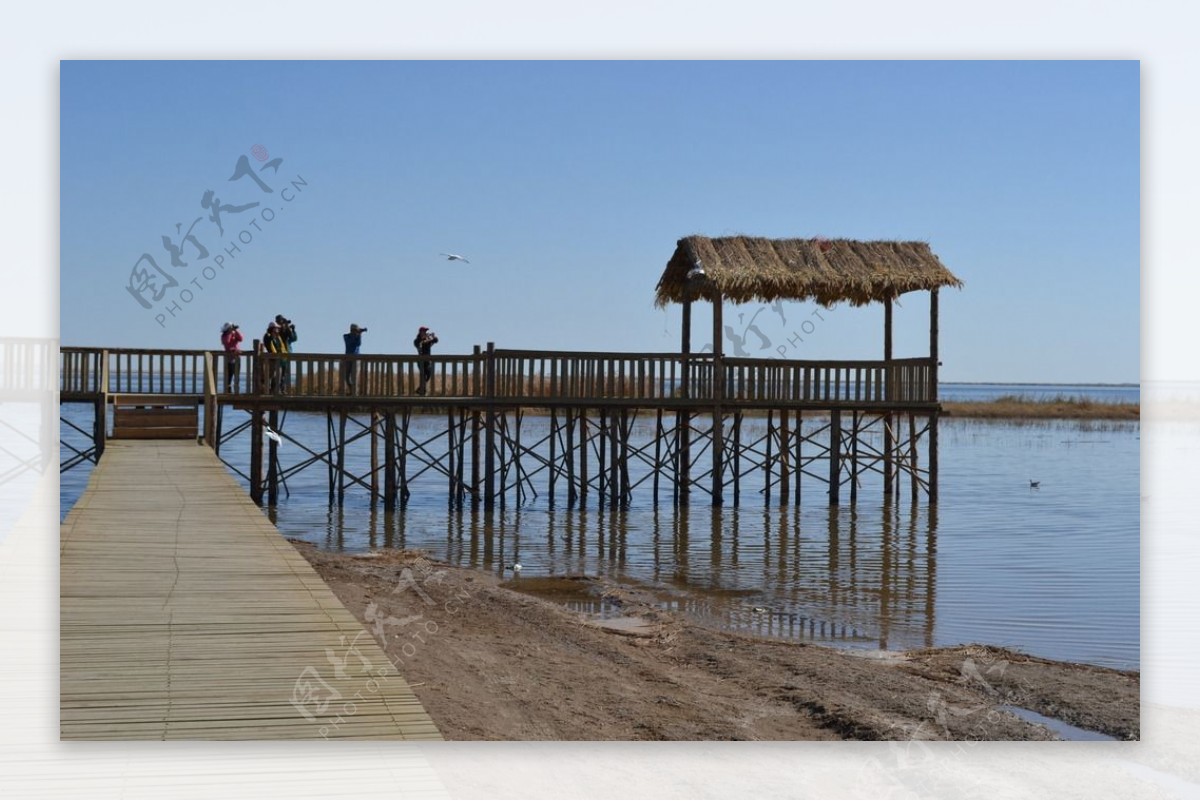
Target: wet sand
{"x":489,"y":662}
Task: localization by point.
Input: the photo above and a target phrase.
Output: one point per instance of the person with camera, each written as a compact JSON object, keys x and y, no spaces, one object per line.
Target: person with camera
{"x":353,"y":342}
{"x":424,"y":342}
{"x":272,"y":344}
{"x":287,"y":333}
{"x":231,"y":339}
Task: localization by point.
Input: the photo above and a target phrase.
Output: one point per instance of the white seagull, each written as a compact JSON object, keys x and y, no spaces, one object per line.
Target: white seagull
{"x":273,"y":435}
{"x":455,"y":257}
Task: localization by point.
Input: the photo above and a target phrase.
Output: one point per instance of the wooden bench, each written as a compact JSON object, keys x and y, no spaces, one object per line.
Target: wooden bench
{"x":156,"y":416}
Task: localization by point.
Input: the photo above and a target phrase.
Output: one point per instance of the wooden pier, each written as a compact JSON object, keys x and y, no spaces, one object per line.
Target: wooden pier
{"x":836,"y":422}
{"x":871,"y":418}
{"x":186,"y":615}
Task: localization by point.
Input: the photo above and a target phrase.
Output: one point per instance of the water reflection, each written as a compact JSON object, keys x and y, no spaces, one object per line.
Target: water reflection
{"x":864,"y":576}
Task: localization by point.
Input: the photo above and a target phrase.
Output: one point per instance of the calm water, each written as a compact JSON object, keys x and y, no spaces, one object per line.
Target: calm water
{"x":1053,"y":571}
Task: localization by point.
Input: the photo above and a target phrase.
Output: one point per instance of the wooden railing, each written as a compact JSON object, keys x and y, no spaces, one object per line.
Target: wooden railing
{"x":772,"y":380}
{"x":582,"y":376}
{"x":81,"y":371}
{"x":518,"y":375}
{"x":27,"y":365}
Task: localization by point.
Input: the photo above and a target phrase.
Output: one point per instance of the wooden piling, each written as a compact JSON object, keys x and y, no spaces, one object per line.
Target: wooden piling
{"x":374,"y":456}
{"x":489,"y":470}
{"x":389,"y":460}
{"x":273,"y":462}
{"x":256,"y":456}
{"x":784,"y":457}
{"x":341,"y":459}
{"x":835,"y":454}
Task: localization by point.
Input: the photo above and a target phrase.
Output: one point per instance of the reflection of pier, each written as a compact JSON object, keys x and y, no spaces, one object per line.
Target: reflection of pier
{"x":865,"y":576}
{"x":836,"y":422}
{"x":849,"y":581}
{"x":27,"y":382}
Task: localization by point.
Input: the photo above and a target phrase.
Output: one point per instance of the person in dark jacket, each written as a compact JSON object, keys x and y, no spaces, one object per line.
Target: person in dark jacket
{"x":353,"y":342}
{"x":424,"y":342}
{"x":272,"y":344}
{"x":287,"y":333}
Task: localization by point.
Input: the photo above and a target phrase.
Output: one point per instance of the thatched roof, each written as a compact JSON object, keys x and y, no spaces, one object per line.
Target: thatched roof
{"x":829,"y":271}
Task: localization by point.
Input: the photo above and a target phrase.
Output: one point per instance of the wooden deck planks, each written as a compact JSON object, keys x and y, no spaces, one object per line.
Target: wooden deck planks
{"x":186,"y":615}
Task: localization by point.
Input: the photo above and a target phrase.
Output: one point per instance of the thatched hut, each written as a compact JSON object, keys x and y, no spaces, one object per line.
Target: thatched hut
{"x":745,"y":268}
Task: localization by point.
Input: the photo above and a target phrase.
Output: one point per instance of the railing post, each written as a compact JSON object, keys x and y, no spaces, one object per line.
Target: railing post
{"x":100,"y":431}
{"x":256,"y":376}
{"x":210,"y":402}
{"x":718,"y":392}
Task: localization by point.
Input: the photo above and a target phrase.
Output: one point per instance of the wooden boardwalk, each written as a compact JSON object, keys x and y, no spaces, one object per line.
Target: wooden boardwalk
{"x":186,"y":615}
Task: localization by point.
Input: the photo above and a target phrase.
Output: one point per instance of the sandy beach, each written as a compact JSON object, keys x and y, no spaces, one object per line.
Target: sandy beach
{"x":494,"y":660}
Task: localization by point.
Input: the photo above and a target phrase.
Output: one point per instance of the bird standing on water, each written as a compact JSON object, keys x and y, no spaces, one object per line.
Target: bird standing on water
{"x":1034,"y":484}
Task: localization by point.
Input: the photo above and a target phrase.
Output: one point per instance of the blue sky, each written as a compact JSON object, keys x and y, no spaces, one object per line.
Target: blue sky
{"x":567,"y":185}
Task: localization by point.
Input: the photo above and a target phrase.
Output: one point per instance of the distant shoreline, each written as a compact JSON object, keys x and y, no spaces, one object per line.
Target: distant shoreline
{"x":1037,"y":384}
{"x":1019,"y":407}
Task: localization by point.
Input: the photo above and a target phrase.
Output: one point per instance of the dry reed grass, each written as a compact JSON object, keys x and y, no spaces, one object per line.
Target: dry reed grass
{"x":1061,"y":407}
{"x":744,"y":269}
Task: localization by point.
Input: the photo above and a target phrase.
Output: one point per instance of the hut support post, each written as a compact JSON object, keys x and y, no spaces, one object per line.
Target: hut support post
{"x":718,"y":390}
{"x":889,"y":394}
{"x":933,"y":388}
{"x":683,"y":421}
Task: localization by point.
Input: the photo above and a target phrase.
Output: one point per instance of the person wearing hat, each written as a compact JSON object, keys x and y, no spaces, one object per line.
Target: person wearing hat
{"x":353,"y":342}
{"x":273,"y":345}
{"x":231,"y":339}
{"x":287,"y":333}
{"x":424,"y":342}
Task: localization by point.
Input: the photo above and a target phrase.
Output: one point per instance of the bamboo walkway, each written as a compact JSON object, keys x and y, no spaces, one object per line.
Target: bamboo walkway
{"x":186,"y":615}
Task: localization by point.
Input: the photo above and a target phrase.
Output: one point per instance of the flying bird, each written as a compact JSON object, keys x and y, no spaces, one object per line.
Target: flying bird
{"x":273,"y":435}
{"x":455,"y":257}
